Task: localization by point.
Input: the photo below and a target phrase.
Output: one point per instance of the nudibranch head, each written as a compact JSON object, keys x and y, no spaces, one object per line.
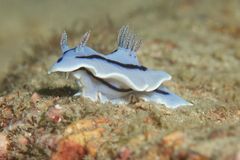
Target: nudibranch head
{"x":68,"y":61}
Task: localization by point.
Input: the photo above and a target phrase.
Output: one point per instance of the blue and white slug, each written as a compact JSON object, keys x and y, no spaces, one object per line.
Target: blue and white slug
{"x":113,"y":77}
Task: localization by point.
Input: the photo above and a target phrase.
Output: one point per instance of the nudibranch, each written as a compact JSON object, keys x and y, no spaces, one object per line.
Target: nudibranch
{"x":113,"y":77}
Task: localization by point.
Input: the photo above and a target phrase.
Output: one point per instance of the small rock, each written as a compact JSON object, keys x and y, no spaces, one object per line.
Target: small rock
{"x":3,"y":146}
{"x":22,"y":140}
{"x":238,"y":113}
{"x":57,"y":106}
{"x":10,"y":97}
{"x":7,"y":113}
{"x":49,"y":141}
{"x":174,"y":139}
{"x":35,"y":98}
{"x":83,"y":137}
{"x":189,"y":155}
{"x":2,"y":101}
{"x":54,"y":114}
{"x":85,"y":124}
{"x":124,"y":154}
{"x":69,"y":150}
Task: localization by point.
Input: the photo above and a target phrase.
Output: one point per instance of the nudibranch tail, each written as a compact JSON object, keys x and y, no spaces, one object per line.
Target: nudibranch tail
{"x":163,"y":96}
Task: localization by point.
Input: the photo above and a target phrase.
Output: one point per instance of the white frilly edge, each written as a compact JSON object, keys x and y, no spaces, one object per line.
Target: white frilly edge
{"x":137,"y":80}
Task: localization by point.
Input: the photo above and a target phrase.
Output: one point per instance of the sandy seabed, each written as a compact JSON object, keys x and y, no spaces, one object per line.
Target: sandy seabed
{"x":197,"y":42}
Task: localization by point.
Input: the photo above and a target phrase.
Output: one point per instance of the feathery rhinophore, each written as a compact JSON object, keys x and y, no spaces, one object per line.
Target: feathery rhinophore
{"x":84,"y":39}
{"x":63,"y":42}
{"x":128,"y":40}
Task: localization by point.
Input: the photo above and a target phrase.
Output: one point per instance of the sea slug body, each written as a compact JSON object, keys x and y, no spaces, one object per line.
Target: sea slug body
{"x":113,"y":77}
